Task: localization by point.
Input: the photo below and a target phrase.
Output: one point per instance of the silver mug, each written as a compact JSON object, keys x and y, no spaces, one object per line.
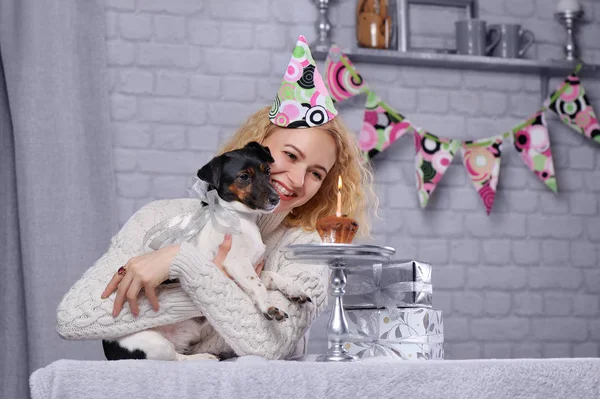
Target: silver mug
{"x":514,"y":41}
{"x":474,"y":38}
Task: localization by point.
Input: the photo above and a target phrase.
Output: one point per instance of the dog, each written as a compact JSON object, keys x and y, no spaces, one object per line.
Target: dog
{"x":242,"y":181}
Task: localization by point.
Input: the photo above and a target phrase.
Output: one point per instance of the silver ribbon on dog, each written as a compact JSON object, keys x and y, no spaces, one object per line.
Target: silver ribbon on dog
{"x":368,"y":336}
{"x":184,"y":227}
{"x":364,"y":290}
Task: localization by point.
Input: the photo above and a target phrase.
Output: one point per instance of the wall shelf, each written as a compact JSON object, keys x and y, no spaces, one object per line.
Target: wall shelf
{"x":469,"y":62}
{"x":544,"y":68}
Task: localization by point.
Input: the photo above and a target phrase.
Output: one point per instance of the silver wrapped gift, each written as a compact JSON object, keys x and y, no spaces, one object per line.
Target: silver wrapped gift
{"x":389,"y":285}
{"x":415,"y":334}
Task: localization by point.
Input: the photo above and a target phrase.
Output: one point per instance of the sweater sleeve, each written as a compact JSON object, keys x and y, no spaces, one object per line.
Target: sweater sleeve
{"x":82,"y":314}
{"x":233,"y":314}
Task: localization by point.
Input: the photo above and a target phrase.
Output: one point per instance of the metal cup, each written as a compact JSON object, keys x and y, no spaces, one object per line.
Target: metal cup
{"x":473,"y":37}
{"x":514,"y":41}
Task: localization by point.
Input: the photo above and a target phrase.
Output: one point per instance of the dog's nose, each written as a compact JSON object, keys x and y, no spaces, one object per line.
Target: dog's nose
{"x":274,"y":199}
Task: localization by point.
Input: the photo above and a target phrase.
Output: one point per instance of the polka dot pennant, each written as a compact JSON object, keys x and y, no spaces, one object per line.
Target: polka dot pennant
{"x":481,"y":158}
{"x":433,"y":156}
{"x":382,"y":125}
{"x":574,"y":109}
{"x":532,"y":142}
{"x":342,"y":78}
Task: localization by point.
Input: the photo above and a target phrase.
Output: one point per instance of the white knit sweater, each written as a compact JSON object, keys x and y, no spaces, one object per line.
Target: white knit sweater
{"x":236,"y":325}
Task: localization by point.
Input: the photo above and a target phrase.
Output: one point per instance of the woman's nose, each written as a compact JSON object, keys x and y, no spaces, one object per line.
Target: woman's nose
{"x":297,"y":177}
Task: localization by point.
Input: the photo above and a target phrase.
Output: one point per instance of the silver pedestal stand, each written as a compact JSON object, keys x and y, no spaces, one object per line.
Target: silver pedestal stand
{"x":339,"y":257}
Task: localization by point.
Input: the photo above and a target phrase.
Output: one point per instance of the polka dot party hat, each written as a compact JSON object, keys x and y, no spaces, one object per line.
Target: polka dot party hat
{"x":303,"y":100}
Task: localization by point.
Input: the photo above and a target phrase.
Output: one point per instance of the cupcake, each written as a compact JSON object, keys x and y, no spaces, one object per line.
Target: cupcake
{"x":337,"y":229}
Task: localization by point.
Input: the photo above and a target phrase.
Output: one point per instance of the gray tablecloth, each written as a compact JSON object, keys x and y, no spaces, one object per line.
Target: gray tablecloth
{"x":252,"y":377}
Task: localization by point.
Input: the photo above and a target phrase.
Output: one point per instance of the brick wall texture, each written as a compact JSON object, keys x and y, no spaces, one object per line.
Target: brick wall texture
{"x":522,"y":282}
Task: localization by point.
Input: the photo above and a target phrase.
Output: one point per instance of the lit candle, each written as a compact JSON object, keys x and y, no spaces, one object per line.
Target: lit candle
{"x":568,"y":5}
{"x":338,"y":212}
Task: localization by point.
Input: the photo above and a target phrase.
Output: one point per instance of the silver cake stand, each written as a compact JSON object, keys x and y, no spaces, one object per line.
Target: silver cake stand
{"x":339,"y":257}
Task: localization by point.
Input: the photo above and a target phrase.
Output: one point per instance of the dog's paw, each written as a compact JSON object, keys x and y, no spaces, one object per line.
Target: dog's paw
{"x":198,"y":356}
{"x":300,"y":299}
{"x":274,"y":313}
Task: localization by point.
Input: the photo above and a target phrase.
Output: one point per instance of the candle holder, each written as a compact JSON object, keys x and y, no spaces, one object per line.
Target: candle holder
{"x":570,"y":20}
{"x":338,"y":257}
{"x":323,"y":42}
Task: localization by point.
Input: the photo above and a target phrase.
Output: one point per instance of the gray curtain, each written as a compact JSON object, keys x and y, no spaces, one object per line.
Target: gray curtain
{"x":57,"y":193}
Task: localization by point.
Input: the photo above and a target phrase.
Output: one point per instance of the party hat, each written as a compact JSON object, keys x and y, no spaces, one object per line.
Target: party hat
{"x":303,"y":100}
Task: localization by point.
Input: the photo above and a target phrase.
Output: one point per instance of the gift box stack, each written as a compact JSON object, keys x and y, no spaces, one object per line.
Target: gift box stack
{"x":390,"y":313}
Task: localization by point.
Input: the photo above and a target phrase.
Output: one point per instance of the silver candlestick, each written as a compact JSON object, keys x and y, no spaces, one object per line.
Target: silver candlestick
{"x":570,"y":19}
{"x":323,"y":27}
{"x":339,"y":257}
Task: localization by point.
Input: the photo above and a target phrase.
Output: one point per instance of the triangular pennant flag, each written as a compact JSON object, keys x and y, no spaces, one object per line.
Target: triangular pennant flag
{"x":433,"y":156}
{"x":381,"y":126}
{"x":482,"y":161}
{"x":342,"y":78}
{"x":574,"y":108}
{"x":303,"y":100}
{"x":532,"y":141}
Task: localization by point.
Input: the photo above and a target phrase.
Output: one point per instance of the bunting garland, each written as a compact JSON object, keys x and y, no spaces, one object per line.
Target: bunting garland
{"x":433,"y":157}
{"x":382,"y":125}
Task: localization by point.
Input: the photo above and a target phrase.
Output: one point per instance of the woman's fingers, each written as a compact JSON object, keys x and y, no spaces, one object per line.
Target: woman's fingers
{"x":259,"y":267}
{"x":223,"y":250}
{"x":151,"y":295}
{"x":111,"y":286}
{"x":121,"y":294}
{"x":132,"y":296}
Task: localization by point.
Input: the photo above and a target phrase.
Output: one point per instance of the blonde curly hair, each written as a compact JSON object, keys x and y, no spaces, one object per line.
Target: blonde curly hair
{"x":357,"y":191}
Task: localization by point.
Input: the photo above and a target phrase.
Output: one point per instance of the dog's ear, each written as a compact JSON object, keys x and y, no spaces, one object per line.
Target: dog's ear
{"x":211,"y":172}
{"x":263,"y":152}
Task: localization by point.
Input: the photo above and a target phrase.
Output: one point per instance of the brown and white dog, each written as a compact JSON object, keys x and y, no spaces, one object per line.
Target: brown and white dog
{"x":242,"y":181}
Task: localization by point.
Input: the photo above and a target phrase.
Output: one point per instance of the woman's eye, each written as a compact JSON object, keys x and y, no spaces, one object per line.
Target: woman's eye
{"x":244,"y":177}
{"x":317,"y":175}
{"x":293,"y":157}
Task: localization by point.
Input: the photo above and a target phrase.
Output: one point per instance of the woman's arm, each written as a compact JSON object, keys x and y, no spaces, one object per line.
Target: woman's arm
{"x":233,"y":314}
{"x":82,"y":314}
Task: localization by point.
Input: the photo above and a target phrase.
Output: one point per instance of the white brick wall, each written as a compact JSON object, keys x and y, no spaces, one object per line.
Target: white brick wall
{"x":523,"y":282}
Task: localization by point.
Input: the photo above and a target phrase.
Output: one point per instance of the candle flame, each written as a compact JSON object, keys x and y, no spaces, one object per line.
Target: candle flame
{"x":339,"y":183}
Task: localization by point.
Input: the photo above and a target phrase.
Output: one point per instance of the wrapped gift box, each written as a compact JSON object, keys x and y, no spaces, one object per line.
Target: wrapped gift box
{"x":389,"y":285}
{"x":412,"y":334}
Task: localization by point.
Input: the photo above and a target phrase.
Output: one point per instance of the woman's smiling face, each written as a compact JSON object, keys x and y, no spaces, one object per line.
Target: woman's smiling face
{"x":303,"y":157}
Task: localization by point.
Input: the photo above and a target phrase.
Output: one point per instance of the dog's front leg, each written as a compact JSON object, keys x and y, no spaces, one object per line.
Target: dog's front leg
{"x":275,"y":281}
{"x":243,"y":273}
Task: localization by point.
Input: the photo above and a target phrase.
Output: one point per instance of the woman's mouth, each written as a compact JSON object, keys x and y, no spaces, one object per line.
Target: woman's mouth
{"x":284,"y":193}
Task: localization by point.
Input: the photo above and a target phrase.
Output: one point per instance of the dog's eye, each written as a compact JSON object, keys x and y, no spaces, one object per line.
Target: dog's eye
{"x":244,"y":177}
{"x":268,"y":171}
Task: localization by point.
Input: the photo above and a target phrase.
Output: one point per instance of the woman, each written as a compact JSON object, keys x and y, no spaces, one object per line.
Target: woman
{"x":308,"y":158}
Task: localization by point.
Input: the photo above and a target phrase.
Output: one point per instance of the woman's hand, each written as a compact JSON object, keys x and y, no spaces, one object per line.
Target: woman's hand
{"x":222,"y":252}
{"x":146,"y":271}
